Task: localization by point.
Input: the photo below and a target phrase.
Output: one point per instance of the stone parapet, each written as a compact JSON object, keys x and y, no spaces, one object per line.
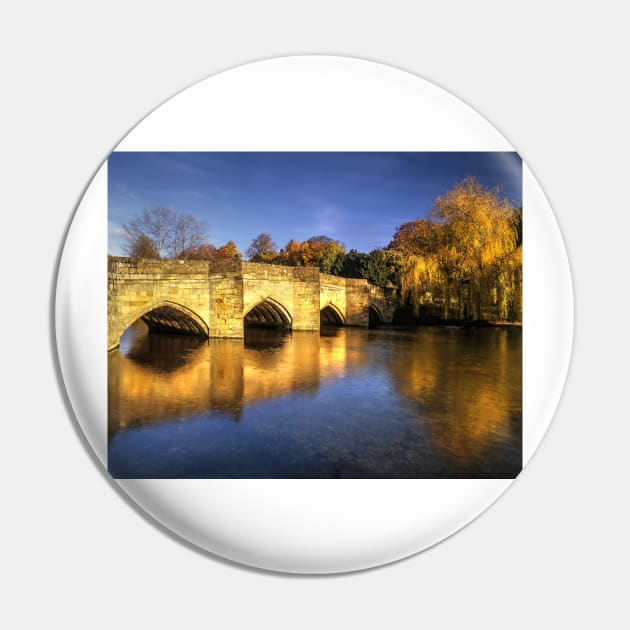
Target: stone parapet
{"x":218,"y":296}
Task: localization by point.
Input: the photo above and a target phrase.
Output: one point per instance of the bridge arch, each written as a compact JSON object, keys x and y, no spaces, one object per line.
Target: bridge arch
{"x":268,"y":313}
{"x":375,"y":316}
{"x":167,"y":317}
{"x":331,"y":315}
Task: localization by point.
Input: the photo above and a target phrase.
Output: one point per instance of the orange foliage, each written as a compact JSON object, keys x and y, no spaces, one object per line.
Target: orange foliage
{"x":228,"y":251}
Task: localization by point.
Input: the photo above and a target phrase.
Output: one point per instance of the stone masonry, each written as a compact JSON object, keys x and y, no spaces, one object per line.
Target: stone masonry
{"x":212,"y":299}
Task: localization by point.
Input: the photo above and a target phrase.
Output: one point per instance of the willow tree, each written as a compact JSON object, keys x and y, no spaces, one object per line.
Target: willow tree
{"x":465,"y":257}
{"x":417,"y":247}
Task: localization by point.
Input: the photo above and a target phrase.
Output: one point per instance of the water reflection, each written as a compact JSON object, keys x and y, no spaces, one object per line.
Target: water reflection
{"x":431,"y":402}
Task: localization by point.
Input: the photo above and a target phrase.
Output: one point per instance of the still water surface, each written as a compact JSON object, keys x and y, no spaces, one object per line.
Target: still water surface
{"x":427,"y":402}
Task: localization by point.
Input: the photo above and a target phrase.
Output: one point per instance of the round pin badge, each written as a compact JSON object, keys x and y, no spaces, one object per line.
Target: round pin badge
{"x":314,"y":314}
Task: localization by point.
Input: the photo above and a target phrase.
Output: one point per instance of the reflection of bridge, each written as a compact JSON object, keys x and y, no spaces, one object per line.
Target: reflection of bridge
{"x":218,"y":299}
{"x":158,"y":378}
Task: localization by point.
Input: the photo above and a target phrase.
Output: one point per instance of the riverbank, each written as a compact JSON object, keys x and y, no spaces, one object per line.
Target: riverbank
{"x":413,"y":322}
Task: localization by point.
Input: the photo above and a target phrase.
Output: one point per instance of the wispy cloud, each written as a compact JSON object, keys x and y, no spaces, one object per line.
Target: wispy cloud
{"x":321,"y":216}
{"x":115,"y":230}
{"x":123,"y":193}
{"x":326,"y":220}
{"x":358,"y":198}
{"x":115,"y":238}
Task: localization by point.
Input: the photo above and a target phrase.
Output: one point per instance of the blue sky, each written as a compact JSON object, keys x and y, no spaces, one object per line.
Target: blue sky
{"x":357,"y":198}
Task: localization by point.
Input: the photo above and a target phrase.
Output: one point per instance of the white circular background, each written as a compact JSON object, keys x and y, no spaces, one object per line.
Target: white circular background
{"x":313,"y":103}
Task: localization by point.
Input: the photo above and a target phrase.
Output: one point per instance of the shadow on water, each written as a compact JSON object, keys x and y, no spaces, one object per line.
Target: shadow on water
{"x":265,"y":338}
{"x":385,"y":402}
{"x":164,"y":353}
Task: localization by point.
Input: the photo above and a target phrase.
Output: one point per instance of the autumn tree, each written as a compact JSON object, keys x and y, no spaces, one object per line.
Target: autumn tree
{"x":163,"y":233}
{"x":262,"y":249}
{"x":331,"y":258}
{"x":480,"y":230}
{"x":229,"y":251}
{"x":465,"y":256}
{"x":289,"y":254}
{"x":205,"y":251}
{"x":317,"y":251}
{"x":416,"y":249}
{"x":419,"y":236}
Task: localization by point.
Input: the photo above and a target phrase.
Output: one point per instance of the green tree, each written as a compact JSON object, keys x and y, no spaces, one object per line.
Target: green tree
{"x":380,"y":268}
{"x":355,"y":264}
{"x":331,"y":258}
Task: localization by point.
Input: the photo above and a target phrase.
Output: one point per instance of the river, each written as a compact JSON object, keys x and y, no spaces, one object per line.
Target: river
{"x":429,"y":402}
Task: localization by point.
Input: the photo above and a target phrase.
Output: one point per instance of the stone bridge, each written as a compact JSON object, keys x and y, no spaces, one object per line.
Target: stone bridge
{"x":219,"y":299}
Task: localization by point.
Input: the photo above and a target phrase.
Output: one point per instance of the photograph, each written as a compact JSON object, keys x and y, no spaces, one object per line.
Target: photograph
{"x":314,"y":315}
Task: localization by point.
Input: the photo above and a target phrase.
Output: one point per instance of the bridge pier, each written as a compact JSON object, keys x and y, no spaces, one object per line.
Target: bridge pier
{"x":215,"y":299}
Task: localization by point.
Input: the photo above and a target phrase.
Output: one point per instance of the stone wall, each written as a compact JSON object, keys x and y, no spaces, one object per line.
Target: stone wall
{"x":384,"y":301}
{"x":333,"y":294}
{"x":357,"y":302}
{"x":216,"y":297}
{"x":294,"y":290}
{"x":225,"y":291}
{"x":267,"y":282}
{"x":305,"y":298}
{"x":136,"y":287}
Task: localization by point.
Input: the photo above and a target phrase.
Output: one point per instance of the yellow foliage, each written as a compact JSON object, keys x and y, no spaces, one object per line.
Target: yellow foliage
{"x":465,"y":257}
